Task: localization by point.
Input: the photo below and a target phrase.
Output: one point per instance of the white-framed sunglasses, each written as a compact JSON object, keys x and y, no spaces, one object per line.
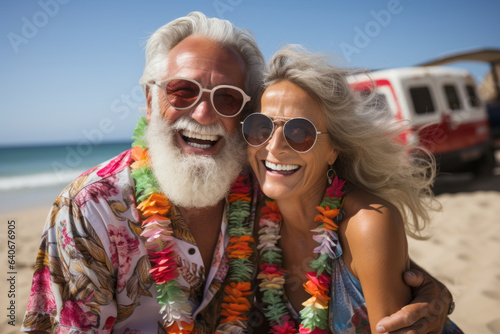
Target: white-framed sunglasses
{"x":183,"y":93}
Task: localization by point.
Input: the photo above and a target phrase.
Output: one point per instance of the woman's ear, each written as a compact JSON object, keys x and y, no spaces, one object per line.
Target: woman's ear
{"x":148,"y":103}
{"x":332,"y":157}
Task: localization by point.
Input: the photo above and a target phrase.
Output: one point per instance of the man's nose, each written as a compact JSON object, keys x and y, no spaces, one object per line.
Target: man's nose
{"x":203,"y":112}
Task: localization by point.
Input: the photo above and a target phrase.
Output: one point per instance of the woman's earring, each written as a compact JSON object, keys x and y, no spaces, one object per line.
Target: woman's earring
{"x":330,"y":174}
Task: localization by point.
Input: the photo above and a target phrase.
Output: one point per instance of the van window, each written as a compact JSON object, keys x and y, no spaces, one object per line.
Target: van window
{"x":473,"y":99}
{"x":377,"y":101}
{"x":452,"y":97}
{"x":422,"y":100}
{"x":379,"y":105}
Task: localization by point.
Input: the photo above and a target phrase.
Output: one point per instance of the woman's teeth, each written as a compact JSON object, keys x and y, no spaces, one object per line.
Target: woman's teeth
{"x":280,"y":167}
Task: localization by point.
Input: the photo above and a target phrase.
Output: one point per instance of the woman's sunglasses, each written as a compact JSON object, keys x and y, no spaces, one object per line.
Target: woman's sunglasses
{"x":300,"y":133}
{"x":183,"y":93}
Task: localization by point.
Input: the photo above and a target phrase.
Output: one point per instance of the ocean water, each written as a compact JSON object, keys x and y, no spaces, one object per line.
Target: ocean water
{"x":35,"y":172}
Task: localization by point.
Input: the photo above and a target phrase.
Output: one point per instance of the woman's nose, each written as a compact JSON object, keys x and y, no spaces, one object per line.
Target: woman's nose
{"x":277,"y":141}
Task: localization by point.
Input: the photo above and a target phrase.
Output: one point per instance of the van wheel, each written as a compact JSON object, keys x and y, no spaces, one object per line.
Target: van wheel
{"x":483,"y":167}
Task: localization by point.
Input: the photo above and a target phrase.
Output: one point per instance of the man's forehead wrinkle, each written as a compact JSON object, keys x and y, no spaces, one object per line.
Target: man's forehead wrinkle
{"x":182,"y":57}
{"x":187,"y":60}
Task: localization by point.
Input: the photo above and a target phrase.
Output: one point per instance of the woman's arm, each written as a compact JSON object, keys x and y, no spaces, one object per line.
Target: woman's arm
{"x":376,"y":252}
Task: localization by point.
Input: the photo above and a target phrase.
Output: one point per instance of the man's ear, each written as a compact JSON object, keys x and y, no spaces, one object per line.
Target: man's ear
{"x":148,"y":103}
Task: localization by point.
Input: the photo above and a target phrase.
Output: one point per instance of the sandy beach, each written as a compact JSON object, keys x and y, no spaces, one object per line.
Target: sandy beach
{"x":28,"y":229}
{"x":462,"y":252}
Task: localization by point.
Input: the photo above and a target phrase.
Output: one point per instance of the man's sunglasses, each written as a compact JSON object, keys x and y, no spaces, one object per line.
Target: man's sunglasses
{"x":183,"y":93}
{"x":300,"y":133}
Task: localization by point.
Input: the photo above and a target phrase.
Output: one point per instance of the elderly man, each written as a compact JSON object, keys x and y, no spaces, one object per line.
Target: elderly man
{"x":159,"y":239}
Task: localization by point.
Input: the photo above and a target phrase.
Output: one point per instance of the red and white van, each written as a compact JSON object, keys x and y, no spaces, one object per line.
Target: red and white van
{"x":444,"y":109}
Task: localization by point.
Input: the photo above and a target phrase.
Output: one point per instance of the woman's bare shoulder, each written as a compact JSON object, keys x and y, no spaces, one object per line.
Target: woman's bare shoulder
{"x":372,"y":230}
{"x":363,"y":208}
{"x":370,"y":220}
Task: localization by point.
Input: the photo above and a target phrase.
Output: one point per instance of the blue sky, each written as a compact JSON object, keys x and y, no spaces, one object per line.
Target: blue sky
{"x":70,"y":68}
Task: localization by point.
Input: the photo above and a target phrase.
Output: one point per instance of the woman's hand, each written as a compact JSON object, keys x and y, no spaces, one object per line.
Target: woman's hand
{"x":426,"y":313}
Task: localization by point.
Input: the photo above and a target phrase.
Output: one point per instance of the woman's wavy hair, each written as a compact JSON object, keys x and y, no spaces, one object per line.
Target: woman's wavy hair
{"x":372,"y":155}
{"x":221,"y":31}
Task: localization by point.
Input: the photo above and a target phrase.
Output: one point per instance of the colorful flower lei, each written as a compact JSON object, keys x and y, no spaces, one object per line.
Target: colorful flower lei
{"x":314,"y":315}
{"x":154,"y":208}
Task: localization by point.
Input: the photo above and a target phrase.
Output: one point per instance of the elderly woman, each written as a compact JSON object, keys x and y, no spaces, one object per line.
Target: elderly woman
{"x":345,"y":191}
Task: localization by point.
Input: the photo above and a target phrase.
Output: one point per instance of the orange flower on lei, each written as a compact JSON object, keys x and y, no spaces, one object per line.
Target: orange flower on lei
{"x":238,"y":197}
{"x":235,"y":304}
{"x":186,"y":328}
{"x":272,"y":212}
{"x":326,"y":217}
{"x":318,"y":287}
{"x":154,"y":204}
{"x":140,"y":156}
{"x":239,"y":247}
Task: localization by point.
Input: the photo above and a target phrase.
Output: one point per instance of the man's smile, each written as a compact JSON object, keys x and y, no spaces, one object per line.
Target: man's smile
{"x":199,"y":140}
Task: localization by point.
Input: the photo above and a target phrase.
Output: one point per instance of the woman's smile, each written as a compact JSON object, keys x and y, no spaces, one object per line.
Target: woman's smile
{"x":282,"y":169}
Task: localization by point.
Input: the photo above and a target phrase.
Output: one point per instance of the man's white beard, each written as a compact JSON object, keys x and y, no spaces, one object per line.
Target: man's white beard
{"x":190,"y":180}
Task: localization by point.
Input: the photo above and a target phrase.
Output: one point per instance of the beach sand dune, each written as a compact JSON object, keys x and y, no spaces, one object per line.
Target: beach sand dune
{"x":462,"y":252}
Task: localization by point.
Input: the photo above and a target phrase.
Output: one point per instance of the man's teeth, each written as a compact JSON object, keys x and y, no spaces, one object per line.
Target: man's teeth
{"x":194,"y":135}
{"x":280,"y":167}
{"x":209,"y":139}
{"x":196,"y":145}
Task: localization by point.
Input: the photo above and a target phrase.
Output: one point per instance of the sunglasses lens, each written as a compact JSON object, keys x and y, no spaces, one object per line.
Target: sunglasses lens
{"x":257,"y":129}
{"x":300,"y":134}
{"x":182,"y":93}
{"x":228,"y":101}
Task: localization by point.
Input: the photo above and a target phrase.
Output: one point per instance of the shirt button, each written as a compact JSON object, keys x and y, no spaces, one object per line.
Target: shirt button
{"x":191,"y":251}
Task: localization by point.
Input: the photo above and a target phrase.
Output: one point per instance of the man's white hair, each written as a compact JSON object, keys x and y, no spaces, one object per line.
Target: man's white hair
{"x":220,"y":31}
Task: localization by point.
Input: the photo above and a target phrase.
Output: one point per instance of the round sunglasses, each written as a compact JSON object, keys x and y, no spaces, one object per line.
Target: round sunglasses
{"x":300,"y":133}
{"x":183,"y":93}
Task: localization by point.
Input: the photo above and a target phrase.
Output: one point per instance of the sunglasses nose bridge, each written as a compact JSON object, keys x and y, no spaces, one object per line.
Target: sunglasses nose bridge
{"x":205,"y":94}
{"x":203,"y":110}
{"x":277,"y":141}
